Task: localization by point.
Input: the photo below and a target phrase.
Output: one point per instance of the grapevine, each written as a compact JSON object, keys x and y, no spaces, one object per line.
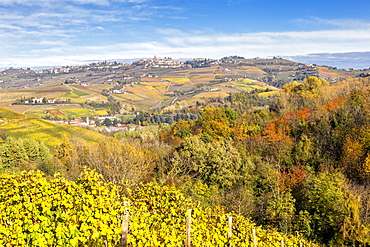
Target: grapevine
{"x":40,"y":211}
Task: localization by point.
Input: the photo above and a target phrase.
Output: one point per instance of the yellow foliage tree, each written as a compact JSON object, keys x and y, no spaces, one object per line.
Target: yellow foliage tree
{"x":297,"y":94}
{"x":118,"y":161}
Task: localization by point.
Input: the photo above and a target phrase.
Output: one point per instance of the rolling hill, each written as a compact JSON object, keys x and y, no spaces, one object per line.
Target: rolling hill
{"x":147,"y":85}
{"x":20,"y":125}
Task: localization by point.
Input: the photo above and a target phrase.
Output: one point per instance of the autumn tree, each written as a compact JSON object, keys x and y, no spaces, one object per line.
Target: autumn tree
{"x":354,"y":159}
{"x":279,"y":143}
{"x":217,"y":122}
{"x":122,"y":160}
{"x":177,"y":132}
{"x":307,"y":94}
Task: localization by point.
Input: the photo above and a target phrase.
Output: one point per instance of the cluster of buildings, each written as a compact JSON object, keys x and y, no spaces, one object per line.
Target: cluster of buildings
{"x":91,"y":124}
{"x":43,"y":101}
{"x":77,"y":68}
{"x":169,"y":63}
{"x":160,"y":63}
{"x":148,"y":63}
{"x":63,"y":70}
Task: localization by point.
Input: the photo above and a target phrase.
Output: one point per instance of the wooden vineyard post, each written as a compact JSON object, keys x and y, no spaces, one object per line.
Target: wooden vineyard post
{"x":125,"y":225}
{"x":124,"y":230}
{"x":254,"y":238}
{"x":282,"y":243}
{"x":188,"y":228}
{"x":230,"y":222}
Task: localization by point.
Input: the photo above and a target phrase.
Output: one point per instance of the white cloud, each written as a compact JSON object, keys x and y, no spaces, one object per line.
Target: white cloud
{"x":51,"y":2}
{"x":274,"y":43}
{"x":50,"y":34}
{"x":333,"y":23}
{"x":177,"y":44}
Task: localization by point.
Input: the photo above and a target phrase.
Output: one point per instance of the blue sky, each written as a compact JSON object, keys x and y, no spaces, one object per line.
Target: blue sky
{"x":67,"y":32}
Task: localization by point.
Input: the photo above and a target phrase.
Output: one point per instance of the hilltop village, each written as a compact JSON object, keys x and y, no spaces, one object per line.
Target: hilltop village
{"x":147,"y":63}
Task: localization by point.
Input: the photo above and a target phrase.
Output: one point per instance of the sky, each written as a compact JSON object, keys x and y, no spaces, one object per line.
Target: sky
{"x":36,"y":33}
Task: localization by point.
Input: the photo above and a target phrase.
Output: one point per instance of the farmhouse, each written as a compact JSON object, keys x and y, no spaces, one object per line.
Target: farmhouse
{"x":60,"y":100}
{"x":43,"y":101}
{"x":36,"y":100}
{"x":105,"y":117}
{"x":118,"y":91}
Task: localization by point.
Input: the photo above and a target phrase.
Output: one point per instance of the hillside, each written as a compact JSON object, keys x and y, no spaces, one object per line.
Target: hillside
{"x":20,"y":125}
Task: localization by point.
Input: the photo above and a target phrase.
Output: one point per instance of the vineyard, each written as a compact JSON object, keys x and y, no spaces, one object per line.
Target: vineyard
{"x":19,"y":125}
{"x":39,"y":211}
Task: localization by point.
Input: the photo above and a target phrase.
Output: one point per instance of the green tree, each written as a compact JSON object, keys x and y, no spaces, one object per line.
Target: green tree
{"x":216,"y":163}
{"x":35,"y":150}
{"x":182,"y":128}
{"x":280,"y":210}
{"x":107,"y":122}
{"x":334,"y":210}
{"x":14,"y":153}
{"x":25,"y":153}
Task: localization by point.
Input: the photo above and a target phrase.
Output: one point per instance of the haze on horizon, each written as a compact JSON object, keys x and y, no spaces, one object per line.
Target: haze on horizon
{"x":38,"y":33}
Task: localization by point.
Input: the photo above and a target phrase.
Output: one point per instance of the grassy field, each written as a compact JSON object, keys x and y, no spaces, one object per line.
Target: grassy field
{"x":79,"y":93}
{"x":201,"y":79}
{"x":12,"y":95}
{"x":148,"y":92}
{"x":78,"y":112}
{"x":327,"y":72}
{"x":181,"y":80}
{"x":74,"y":97}
{"x":70,"y":112}
{"x":223,"y":76}
{"x":101,"y":112}
{"x":8,"y":115}
{"x":89,"y":93}
{"x":56,"y":112}
{"x":214,"y":94}
{"x":270,"y":93}
{"x":39,"y":113}
{"x":131,"y":96}
{"x":16,"y":108}
{"x":155,"y":83}
{"x":251,"y":70}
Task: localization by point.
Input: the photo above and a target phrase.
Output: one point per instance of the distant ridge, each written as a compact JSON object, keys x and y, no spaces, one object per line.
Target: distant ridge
{"x":355,"y":60}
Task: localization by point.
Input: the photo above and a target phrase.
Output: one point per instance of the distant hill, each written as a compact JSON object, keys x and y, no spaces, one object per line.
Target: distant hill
{"x":345,"y":60}
{"x":156,"y":83}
